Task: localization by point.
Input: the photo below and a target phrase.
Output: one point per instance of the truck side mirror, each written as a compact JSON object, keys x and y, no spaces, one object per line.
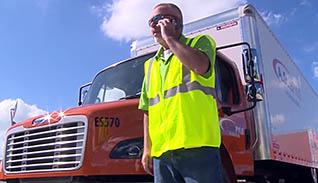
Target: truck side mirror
{"x":82,"y":94}
{"x":259,"y":91}
{"x":85,"y":93}
{"x":254,"y":88}
{"x":254,"y":92}
{"x":250,"y":65}
{"x":252,"y":77}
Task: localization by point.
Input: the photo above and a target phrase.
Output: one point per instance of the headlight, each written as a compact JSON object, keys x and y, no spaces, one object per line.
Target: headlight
{"x":128,"y":149}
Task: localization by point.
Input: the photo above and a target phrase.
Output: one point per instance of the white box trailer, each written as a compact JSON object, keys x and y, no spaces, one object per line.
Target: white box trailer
{"x":285,"y":121}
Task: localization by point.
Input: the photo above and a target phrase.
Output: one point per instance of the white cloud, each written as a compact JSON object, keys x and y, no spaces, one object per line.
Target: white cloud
{"x":127,"y":19}
{"x":100,"y":10}
{"x":315,"y":69}
{"x":311,"y":47}
{"x":294,"y":11}
{"x":278,"y":119}
{"x":273,"y":18}
{"x":24,"y":111}
{"x":305,"y":3}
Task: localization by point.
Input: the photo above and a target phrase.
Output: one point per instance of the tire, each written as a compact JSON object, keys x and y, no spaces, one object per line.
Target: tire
{"x":314,"y":175}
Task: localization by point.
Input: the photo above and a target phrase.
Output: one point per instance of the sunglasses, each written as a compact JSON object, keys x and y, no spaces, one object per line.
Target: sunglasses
{"x":159,"y":17}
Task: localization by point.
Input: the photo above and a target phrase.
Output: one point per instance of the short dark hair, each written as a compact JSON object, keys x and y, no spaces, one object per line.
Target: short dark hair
{"x":170,"y":5}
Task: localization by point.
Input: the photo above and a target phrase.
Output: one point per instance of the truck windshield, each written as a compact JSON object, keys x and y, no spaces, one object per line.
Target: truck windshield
{"x":119,"y":82}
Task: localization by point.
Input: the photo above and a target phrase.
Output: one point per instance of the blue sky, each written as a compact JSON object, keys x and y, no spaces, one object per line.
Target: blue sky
{"x":49,"y":48}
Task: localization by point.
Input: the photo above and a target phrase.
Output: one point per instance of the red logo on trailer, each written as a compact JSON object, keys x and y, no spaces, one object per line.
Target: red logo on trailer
{"x":291,"y":82}
{"x":227,"y":25}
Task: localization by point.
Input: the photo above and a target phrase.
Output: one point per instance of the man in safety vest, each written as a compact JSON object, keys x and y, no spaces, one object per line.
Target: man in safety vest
{"x":181,"y":126}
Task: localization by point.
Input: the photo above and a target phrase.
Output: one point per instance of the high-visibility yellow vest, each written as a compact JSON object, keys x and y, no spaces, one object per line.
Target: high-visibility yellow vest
{"x":182,"y":113}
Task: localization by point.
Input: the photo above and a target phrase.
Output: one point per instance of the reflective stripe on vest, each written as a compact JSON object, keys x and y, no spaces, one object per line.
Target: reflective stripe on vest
{"x":186,"y":85}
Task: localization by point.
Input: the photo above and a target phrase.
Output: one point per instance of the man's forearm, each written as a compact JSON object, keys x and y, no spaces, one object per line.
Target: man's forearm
{"x":192,"y":58}
{"x":147,"y":141}
{"x":146,"y":159}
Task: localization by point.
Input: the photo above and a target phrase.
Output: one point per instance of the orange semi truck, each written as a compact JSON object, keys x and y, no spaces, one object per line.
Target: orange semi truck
{"x":266,"y":110}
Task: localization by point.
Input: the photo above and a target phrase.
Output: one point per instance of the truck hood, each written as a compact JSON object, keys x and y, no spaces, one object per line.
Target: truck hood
{"x":87,"y":110}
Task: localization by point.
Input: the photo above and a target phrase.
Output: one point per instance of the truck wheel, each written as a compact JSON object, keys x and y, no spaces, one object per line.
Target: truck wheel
{"x":314,"y":175}
{"x":308,"y":175}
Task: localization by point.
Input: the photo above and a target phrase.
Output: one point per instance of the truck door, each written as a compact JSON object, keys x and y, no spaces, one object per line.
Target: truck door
{"x":235,"y":129}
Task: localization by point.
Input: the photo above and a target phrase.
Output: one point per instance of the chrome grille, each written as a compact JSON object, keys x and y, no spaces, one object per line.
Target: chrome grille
{"x":55,"y":147}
